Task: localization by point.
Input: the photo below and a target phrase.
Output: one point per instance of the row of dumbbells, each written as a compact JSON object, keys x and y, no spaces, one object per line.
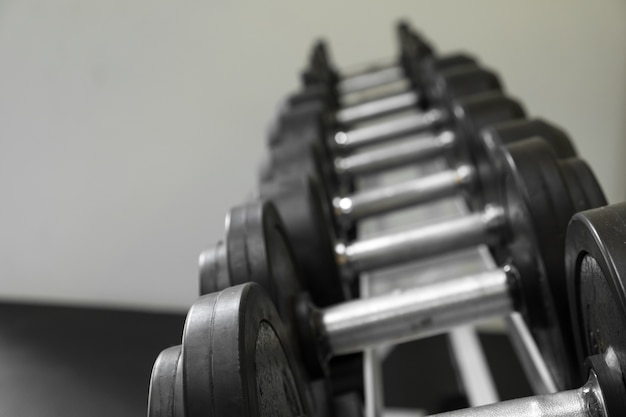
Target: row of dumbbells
{"x":279,"y":320}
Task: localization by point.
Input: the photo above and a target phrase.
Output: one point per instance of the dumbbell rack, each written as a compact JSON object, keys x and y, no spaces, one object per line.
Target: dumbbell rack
{"x":466,"y":347}
{"x":279,"y":307}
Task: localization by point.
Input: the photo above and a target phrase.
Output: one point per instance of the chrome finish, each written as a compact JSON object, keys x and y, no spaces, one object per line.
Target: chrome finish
{"x":583,"y":402}
{"x":377,"y":108}
{"x":375,"y":93}
{"x":471,"y":363}
{"x":527,"y":351}
{"x":421,"y":242}
{"x":372,"y":375}
{"x":532,"y":362}
{"x":364,"y":81}
{"x":409,"y":151}
{"x":415,"y":313}
{"x":472,"y":372}
{"x":404,"y":194}
{"x":390,"y":129}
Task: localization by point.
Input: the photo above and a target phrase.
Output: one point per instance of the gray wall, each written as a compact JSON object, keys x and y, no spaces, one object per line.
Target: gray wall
{"x":129,"y":127}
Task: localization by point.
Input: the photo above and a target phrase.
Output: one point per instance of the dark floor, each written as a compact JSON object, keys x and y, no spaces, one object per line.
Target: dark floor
{"x":58,"y":361}
{"x":62,"y":361}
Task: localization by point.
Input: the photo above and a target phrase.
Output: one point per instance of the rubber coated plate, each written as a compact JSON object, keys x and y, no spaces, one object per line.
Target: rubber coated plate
{"x":461,"y":82}
{"x":540,"y":195}
{"x":237,"y":360}
{"x":164,"y":398}
{"x":258,"y":251}
{"x":475,"y":113}
{"x":484,"y":146}
{"x":596,"y":272}
{"x":307,"y":227}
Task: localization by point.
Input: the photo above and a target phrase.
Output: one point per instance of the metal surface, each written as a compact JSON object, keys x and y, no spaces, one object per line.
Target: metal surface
{"x":532,"y":362}
{"x":386,"y":130}
{"x":374,"y":93}
{"x":418,"y":312}
{"x":368,"y":80}
{"x":382,"y":106}
{"x":471,"y":364}
{"x":372,"y":372}
{"x":469,"y":356}
{"x":417,"y":243}
{"x":403,"y":194}
{"x":583,"y":402}
{"x":412,"y":150}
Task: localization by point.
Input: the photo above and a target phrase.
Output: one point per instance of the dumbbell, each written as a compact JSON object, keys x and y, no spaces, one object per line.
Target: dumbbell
{"x":310,"y":224}
{"x":423,"y":76}
{"x":464,"y":154}
{"x":412,"y":48}
{"x":318,"y":122}
{"x":239,"y":317}
{"x":471,"y":116}
{"x":537,"y":196}
{"x":456,"y":92}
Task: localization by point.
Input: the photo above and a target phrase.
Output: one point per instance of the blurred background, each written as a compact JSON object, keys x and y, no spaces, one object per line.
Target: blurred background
{"x":128,"y":128}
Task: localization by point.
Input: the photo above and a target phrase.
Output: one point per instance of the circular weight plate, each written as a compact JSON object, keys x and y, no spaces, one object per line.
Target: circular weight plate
{"x":484,"y":146}
{"x":237,"y":360}
{"x":428,"y":69}
{"x":311,"y":94}
{"x":298,"y":159}
{"x":309,"y":235}
{"x":516,"y":130}
{"x":304,"y":123}
{"x":584,"y":188}
{"x":537,"y":198}
{"x":164,"y":399}
{"x":475,"y":113}
{"x":596,"y":279}
{"x":213,"y":266}
{"x":257,"y":250}
{"x":462,"y":82}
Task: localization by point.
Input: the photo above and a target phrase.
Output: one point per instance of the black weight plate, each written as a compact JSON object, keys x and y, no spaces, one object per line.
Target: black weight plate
{"x":163,"y":398}
{"x":309,"y":235}
{"x":475,"y":113}
{"x":460,"y":82}
{"x":298,"y":159}
{"x":315,"y":93}
{"x":304,"y":123}
{"x":596,"y":279}
{"x":257,"y":250}
{"x":537,"y":194}
{"x":238,"y":360}
{"x":472,"y":115}
{"x":485,"y":146}
{"x":515,"y":130}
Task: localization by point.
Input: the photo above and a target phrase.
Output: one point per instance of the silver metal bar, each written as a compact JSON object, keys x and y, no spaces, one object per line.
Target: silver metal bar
{"x":470,"y":358}
{"x":415,"y":313}
{"x":375,"y":93}
{"x":526,"y":350}
{"x":421,"y":242}
{"x":401,"y":195}
{"x":364,"y":81}
{"x":372,"y":375}
{"x":390,"y":129}
{"x":534,"y":366}
{"x":583,"y":402}
{"x":405,"y":152}
{"x":377,"y":108}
